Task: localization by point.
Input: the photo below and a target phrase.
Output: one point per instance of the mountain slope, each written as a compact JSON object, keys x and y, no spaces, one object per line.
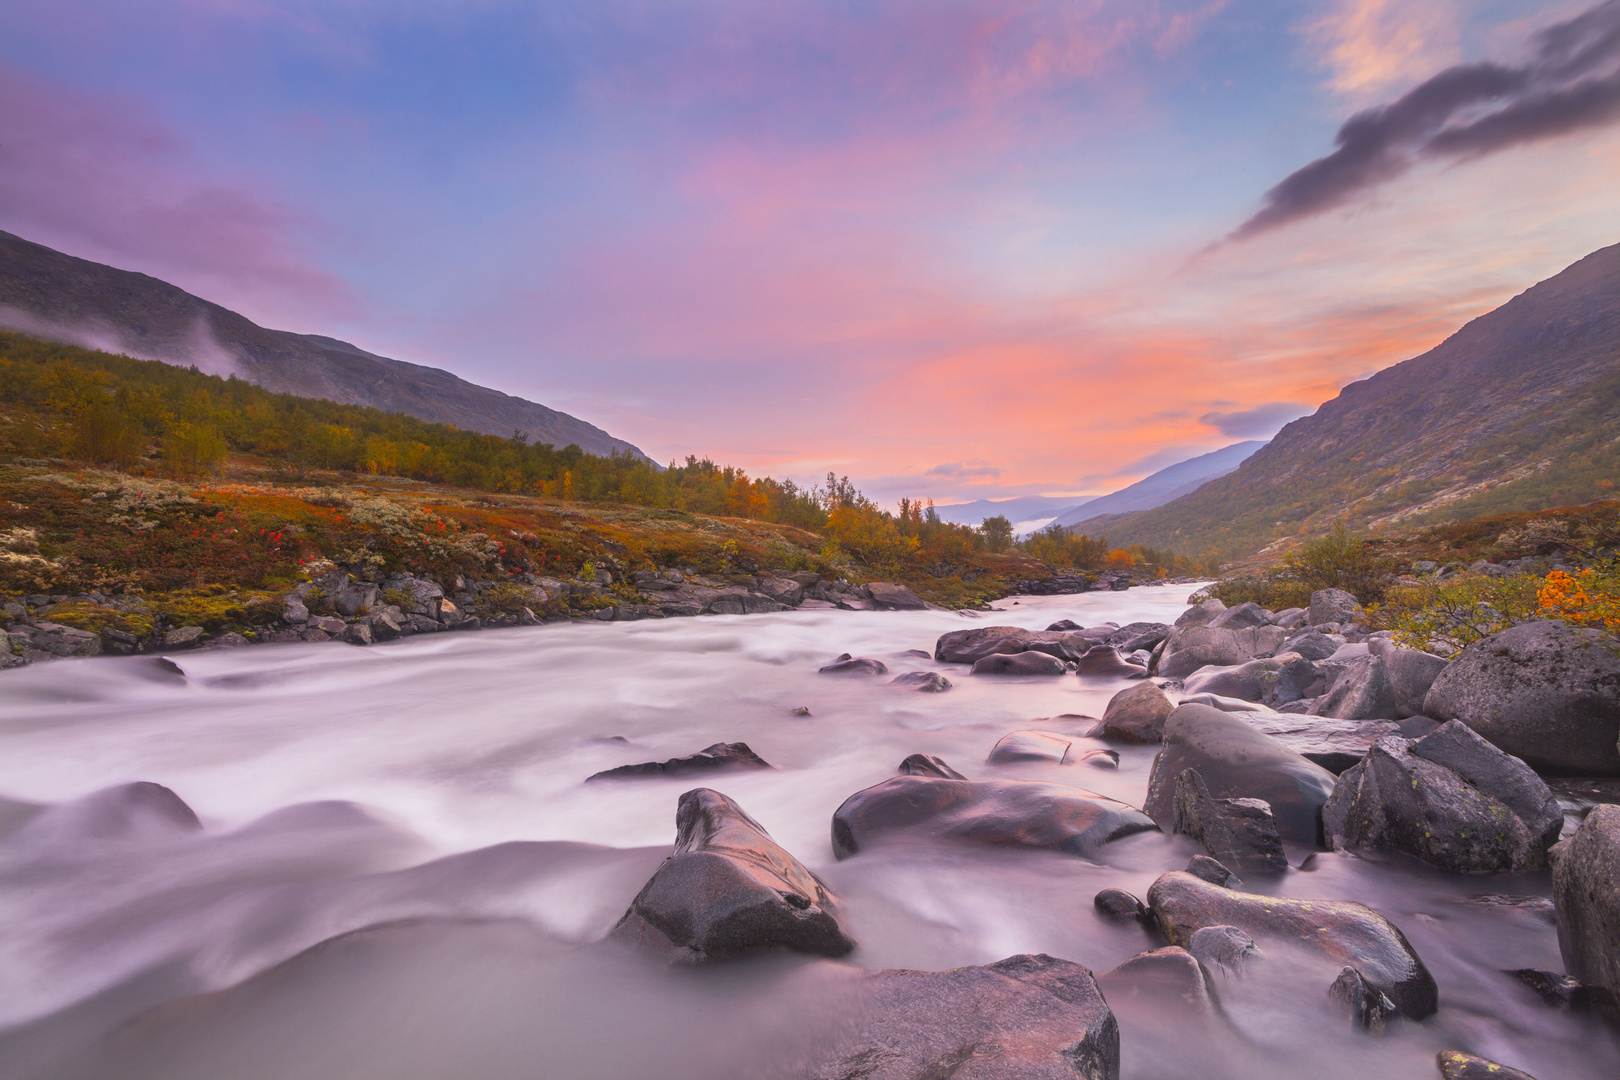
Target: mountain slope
{"x":1020,"y":508}
{"x":1168,"y":483}
{"x":1518,"y":410}
{"x":57,"y":296}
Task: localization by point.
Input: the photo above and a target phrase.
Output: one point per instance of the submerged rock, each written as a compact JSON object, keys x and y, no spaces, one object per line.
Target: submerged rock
{"x":1030,"y":746}
{"x":1237,"y":762}
{"x":969,"y":646}
{"x":928,"y":765}
{"x":1345,"y":933}
{"x":1370,"y":1009}
{"x":1009,"y":813}
{"x":929,"y":682}
{"x":1137,"y":714}
{"x":1543,"y":691}
{"x":1022,"y":663}
{"x":1456,"y":1065}
{"x":848,"y":665}
{"x":1118,"y":905}
{"x":1223,"y":947}
{"x":1162,"y":975}
{"x":1024,"y":1018}
{"x":710,"y":758}
{"x":1104,"y":660}
{"x":729,"y":890}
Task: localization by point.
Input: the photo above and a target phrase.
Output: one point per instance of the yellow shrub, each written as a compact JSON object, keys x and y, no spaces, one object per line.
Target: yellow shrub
{"x":1590,"y":597}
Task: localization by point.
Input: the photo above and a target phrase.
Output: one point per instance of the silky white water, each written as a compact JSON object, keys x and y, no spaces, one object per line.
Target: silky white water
{"x":435,"y":788}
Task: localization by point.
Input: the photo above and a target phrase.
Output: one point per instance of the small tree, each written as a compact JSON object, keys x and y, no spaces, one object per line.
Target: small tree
{"x":998,"y":532}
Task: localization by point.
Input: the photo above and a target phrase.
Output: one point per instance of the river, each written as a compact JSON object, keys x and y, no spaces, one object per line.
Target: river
{"x":432,"y":789}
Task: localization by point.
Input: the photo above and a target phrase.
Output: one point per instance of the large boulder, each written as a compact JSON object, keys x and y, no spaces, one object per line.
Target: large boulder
{"x":887,"y":596}
{"x":1007,"y":813}
{"x":1313,"y":644}
{"x":1201,"y":614}
{"x":1343,"y":933}
{"x":1237,"y":762}
{"x":709,"y":759}
{"x":1137,"y":714}
{"x":1450,"y":799}
{"x":1030,"y":746}
{"x":967,"y":646}
{"x":784,"y":591}
{"x":1237,"y":832}
{"x":1586,"y":899}
{"x":1543,"y":691}
{"x":728,"y":890}
{"x":1411,"y":673}
{"x":1336,"y":745}
{"x":1187,"y":650}
{"x":929,"y":682}
{"x":1276,"y":680}
{"x":1103,"y":661}
{"x":1138,"y":635}
{"x":1360,"y":691}
{"x":1024,"y":1018}
{"x":1246,"y":614}
{"x":1333,"y":606}
{"x":855,"y":665}
{"x":1019,"y":663}
{"x":1160,"y":977}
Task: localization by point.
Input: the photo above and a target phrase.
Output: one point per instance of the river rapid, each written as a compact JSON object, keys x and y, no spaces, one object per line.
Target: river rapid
{"x":433,"y":791}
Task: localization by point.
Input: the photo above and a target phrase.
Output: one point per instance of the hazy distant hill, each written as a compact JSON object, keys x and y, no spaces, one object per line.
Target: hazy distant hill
{"x":1518,"y":410}
{"x":1168,"y":483}
{"x":57,"y":296}
{"x":1019,"y":508}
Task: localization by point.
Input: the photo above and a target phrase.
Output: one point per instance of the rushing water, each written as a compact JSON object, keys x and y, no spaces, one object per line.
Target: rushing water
{"x":434,"y":789}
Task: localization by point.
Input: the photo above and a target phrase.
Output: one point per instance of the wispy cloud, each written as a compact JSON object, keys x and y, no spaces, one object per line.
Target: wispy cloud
{"x":1571,"y":82}
{"x":1260,"y":422}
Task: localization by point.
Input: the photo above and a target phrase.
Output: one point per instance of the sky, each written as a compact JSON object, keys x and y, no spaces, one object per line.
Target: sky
{"x":954,"y":249}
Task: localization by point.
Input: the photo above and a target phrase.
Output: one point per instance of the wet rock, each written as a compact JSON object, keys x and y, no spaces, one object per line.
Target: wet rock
{"x":1586,"y":885}
{"x":1360,"y":691}
{"x":1224,"y":947}
{"x":1025,"y":1018}
{"x":1543,"y":691}
{"x":970,"y":646}
{"x":183,"y":637}
{"x":1187,"y":650}
{"x":1138,"y":635}
{"x":856,"y":666}
{"x":887,"y":596}
{"x":1334,"y":744}
{"x":1201,"y":613}
{"x":1246,"y":614}
{"x":928,"y":765}
{"x":1238,"y":832}
{"x":1400,"y":799}
{"x":1022,"y":663}
{"x":1137,"y":714}
{"x":929,"y":682}
{"x":1411,"y":673}
{"x":1065,"y":624}
{"x":1117,"y":905}
{"x":1275,"y":680}
{"x":1345,"y":933}
{"x":1333,"y":606}
{"x":1561,"y":991}
{"x":1456,"y":1065}
{"x":709,"y":759}
{"x":1007,"y":813}
{"x":1030,"y":746}
{"x":1162,"y":975}
{"x":1370,"y":1009}
{"x":1211,"y":870}
{"x":1238,"y":762}
{"x":729,"y":890}
{"x":1104,"y":660}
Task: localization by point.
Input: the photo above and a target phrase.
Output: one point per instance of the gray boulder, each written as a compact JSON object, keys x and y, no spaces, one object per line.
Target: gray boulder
{"x":1030,"y":746}
{"x":356,"y":598}
{"x":1333,"y":606}
{"x":1411,"y":673}
{"x":929,"y":682}
{"x":1237,"y":762}
{"x":1543,"y":691}
{"x":1222,"y":947}
{"x":1137,"y":714}
{"x":1237,"y":832}
{"x":1291,"y":618}
{"x":928,"y":765}
{"x":1200,"y":614}
{"x":1275,"y":680}
{"x":1117,"y":905}
{"x":1361,"y":690}
{"x":729,"y":890}
{"x":1187,"y":650}
{"x":293,"y":609}
{"x":1029,"y":1017}
{"x":966,"y":646}
{"x":1020,"y":663}
{"x":1336,"y":745}
{"x":186,"y":637}
{"x":1586,"y":899}
{"x":1313,"y":644}
{"x":853,"y":665}
{"x":1006,"y":813}
{"x":784,"y":591}
{"x":1236,"y":618}
{"x":1402,"y":800}
{"x":1370,"y":1008}
{"x":1138,"y":635}
{"x":1346,"y":934}
{"x":887,"y":596}
{"x":1104,"y":661}
{"x":1160,"y":977}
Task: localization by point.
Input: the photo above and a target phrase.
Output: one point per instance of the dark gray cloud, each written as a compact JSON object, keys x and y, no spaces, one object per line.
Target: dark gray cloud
{"x":1260,"y":422}
{"x":1570,"y":82}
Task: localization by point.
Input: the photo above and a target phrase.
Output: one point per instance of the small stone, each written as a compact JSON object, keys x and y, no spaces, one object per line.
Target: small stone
{"x":1370,"y":1008}
{"x":1119,"y":906}
{"x":1224,"y":947}
{"x":1210,"y":870}
{"x":847,"y":665}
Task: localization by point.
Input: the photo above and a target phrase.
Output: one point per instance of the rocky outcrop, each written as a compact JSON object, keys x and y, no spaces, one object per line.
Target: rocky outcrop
{"x":1273,"y":681}
{"x":729,"y":890}
{"x":1411,"y":672}
{"x":1019,"y":663}
{"x":1137,"y":714}
{"x":1450,"y":799}
{"x":1237,"y":832}
{"x":1237,"y":762}
{"x":1007,"y":813}
{"x":887,"y":596}
{"x":1333,"y":606}
{"x":1186,"y":650}
{"x":1347,"y":934}
{"x":709,"y":759}
{"x":1586,"y":898}
{"x":1028,"y":1017}
{"x":1543,"y":691}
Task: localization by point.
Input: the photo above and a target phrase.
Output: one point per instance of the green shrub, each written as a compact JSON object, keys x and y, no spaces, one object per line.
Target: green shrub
{"x":1447,"y":615}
